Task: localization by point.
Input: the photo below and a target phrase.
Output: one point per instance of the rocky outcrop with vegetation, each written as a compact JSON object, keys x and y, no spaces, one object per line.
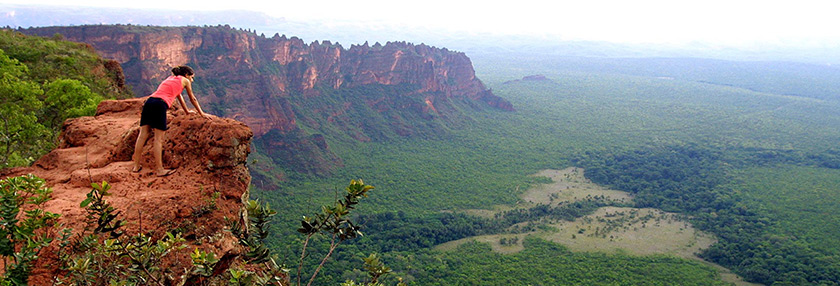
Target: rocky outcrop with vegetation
{"x":198,"y":203}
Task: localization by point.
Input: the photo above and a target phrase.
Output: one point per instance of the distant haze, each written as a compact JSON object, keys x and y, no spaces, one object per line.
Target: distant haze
{"x":738,"y":23}
{"x":742,"y":30}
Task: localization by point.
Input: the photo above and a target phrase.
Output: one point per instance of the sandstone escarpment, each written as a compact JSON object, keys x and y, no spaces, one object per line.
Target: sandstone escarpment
{"x":209,"y":155}
{"x":278,"y":85}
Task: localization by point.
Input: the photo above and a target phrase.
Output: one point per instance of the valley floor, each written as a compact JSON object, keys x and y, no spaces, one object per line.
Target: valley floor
{"x":611,"y":229}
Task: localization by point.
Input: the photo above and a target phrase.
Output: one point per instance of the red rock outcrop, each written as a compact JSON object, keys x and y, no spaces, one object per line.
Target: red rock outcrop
{"x":209,"y":155}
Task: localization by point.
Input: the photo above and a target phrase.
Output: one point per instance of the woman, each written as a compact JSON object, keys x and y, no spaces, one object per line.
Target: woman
{"x":153,"y":116}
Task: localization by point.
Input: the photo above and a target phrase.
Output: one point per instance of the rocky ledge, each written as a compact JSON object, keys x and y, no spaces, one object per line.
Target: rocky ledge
{"x":208,"y":188}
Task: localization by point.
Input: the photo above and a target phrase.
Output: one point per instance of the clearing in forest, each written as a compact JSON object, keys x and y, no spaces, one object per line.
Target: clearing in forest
{"x":609,"y":229}
{"x":569,"y":185}
{"x":633,"y":231}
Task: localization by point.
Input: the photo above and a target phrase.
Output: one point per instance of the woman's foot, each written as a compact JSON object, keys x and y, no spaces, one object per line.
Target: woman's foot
{"x":136,"y":169}
{"x":165,"y":172}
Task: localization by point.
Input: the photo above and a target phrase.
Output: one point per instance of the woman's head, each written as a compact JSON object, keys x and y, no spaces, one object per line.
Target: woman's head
{"x":182,"y":71}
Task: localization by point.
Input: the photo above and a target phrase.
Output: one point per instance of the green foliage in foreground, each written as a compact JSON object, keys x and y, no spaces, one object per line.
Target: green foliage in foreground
{"x":547,"y":263}
{"x":22,"y":237}
{"x":102,"y":255}
{"x":333,"y":222}
{"x":42,"y":83}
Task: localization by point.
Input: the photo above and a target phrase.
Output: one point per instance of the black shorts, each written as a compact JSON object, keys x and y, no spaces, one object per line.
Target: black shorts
{"x":154,"y":113}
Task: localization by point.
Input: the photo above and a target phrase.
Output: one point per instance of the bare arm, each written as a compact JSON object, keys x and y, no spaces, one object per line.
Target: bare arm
{"x":183,"y":104}
{"x":188,"y":86}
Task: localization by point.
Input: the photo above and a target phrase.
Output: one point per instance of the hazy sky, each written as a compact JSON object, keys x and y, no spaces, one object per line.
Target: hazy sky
{"x":727,"y":22}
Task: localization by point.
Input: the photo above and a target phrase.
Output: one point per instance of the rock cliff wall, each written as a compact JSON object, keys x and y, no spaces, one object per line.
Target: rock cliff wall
{"x":273,"y":84}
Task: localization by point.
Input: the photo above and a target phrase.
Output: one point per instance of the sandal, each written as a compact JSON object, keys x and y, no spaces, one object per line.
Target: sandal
{"x":167,"y":173}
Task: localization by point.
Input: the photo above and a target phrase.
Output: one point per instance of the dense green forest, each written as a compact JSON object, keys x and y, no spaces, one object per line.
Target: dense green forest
{"x":805,"y":197}
{"x":43,"y":82}
{"x":716,"y":143}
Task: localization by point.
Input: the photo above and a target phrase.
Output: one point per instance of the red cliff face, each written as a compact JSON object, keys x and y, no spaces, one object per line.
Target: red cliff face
{"x":261,"y":81}
{"x":209,"y":155}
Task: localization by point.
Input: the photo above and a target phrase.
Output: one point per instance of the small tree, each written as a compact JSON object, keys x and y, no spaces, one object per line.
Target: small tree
{"x":333,"y":221}
{"x":376,"y":269}
{"x":67,"y":98}
{"x":258,"y":218}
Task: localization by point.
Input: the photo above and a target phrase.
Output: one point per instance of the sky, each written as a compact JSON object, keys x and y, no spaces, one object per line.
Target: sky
{"x":721,"y":22}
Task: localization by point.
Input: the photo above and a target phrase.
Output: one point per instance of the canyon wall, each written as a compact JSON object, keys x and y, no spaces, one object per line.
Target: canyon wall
{"x":276,"y":85}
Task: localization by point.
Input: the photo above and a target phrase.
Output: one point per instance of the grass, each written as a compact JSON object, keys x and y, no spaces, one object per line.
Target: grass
{"x":609,"y":229}
{"x":612,"y":230}
{"x":569,"y":185}
{"x":632,"y":231}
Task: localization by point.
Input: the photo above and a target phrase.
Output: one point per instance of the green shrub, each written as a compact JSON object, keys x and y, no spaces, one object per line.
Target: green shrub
{"x":23,"y":237}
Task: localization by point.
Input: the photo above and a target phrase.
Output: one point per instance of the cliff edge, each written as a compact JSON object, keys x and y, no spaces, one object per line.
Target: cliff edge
{"x":207,"y":189}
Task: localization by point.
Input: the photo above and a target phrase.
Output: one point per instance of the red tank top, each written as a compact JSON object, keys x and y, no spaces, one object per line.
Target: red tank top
{"x":169,"y":89}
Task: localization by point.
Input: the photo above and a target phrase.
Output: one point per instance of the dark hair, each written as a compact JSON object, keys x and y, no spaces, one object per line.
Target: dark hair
{"x":182,"y":70}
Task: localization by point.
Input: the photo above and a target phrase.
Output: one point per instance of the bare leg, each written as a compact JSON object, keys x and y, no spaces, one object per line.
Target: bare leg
{"x":160,"y":136}
{"x":138,"y":147}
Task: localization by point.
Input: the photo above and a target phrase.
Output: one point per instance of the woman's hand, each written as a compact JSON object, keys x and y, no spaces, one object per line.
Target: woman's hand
{"x":200,"y":113}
